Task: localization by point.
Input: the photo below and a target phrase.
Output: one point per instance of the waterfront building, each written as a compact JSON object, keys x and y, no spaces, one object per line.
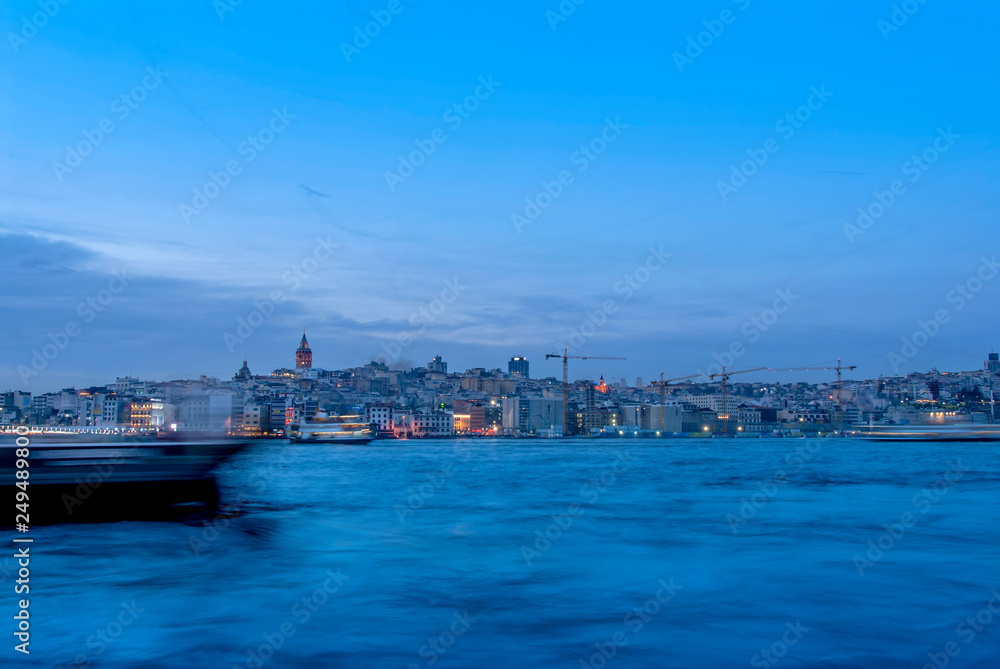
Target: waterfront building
{"x":255,"y":420}
{"x":149,"y":413}
{"x":486,"y":418}
{"x":433,"y":424}
{"x":699,"y":420}
{"x":749,"y":419}
{"x":278,"y":407}
{"x":714,"y":402}
{"x":206,"y":412}
{"x":653,"y":417}
{"x":531,"y":415}
{"x":380,"y":415}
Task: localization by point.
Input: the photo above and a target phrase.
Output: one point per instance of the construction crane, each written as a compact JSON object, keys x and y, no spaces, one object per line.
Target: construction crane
{"x":725,"y":379}
{"x":663,"y":383}
{"x":840,"y":404}
{"x":565,"y":393}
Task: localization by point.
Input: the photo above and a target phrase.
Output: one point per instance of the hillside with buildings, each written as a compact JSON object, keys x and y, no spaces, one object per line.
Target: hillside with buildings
{"x":433,"y":402}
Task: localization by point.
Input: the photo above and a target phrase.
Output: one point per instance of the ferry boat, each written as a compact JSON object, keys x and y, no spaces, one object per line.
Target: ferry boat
{"x":325,"y":429}
{"x":952,"y":432}
{"x":85,"y":475}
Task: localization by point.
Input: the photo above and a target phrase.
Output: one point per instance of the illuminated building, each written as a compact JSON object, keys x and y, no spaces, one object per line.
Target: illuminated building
{"x":151,"y":413}
{"x":303,"y":354}
{"x":437,"y":365}
{"x":518,"y":366}
{"x":462,"y":421}
{"x":485,"y":418}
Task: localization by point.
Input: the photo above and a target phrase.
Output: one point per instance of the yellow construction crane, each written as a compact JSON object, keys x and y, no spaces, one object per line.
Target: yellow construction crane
{"x":565,"y":360}
{"x":840,"y":404}
{"x":724,"y":414}
{"x":663,"y":383}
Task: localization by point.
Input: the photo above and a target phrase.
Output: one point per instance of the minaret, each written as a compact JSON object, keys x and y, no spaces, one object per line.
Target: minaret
{"x":303,"y":354}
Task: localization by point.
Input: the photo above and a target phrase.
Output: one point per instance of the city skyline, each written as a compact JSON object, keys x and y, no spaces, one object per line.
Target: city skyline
{"x":301,"y":361}
{"x":433,"y":402}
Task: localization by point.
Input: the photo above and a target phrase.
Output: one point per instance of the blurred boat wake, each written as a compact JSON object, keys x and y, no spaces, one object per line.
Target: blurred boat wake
{"x":91,"y":477}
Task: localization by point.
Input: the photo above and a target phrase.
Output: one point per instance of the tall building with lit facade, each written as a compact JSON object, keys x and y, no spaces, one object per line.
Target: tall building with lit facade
{"x":303,"y":354}
{"x":437,"y":365}
{"x":993,"y":363}
{"x":518,"y":366}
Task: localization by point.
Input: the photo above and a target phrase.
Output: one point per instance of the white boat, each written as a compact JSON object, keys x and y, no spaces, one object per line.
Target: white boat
{"x":952,"y":432}
{"x":324,"y":429}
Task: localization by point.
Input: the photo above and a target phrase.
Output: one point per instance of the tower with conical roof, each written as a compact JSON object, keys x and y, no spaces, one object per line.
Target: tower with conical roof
{"x":303,"y":354}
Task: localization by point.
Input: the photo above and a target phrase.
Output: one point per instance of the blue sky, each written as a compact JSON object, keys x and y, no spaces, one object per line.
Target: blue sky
{"x":329,"y":128}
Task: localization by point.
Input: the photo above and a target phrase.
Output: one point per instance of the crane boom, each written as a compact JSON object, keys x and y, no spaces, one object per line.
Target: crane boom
{"x":662,"y":383}
{"x":840,"y":403}
{"x":725,"y":379}
{"x":565,"y":388}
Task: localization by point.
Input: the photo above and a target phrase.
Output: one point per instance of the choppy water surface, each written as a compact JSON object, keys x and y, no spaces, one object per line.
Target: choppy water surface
{"x":686,"y":553}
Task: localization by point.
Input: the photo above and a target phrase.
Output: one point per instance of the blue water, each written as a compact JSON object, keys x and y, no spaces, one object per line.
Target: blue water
{"x":456,"y":564}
